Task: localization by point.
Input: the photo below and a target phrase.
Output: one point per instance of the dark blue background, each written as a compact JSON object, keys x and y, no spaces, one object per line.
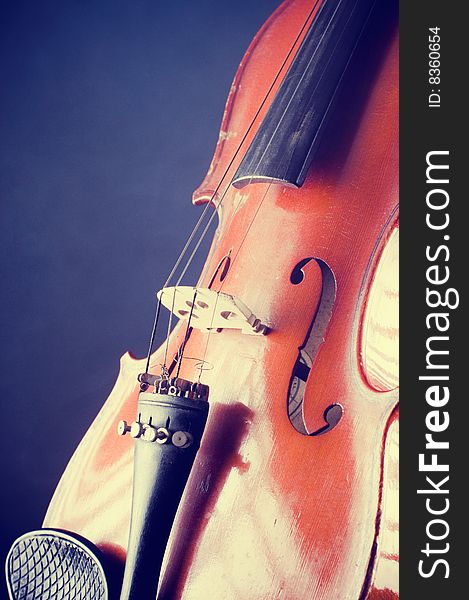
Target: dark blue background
{"x":109,"y":114}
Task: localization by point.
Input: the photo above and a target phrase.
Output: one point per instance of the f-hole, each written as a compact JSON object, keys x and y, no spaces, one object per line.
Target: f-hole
{"x":308,"y":350}
{"x":297,"y":275}
{"x":221,"y":270}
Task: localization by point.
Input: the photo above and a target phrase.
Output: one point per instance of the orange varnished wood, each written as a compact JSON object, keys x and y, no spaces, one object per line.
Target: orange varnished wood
{"x":269,"y":513}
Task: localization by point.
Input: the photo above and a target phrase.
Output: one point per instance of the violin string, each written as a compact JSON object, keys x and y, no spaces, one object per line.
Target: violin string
{"x":251,"y":179}
{"x":283,"y":116}
{"x":212,"y":217}
{"x":169,"y":329}
{"x":180,"y":358}
{"x":186,"y":335}
{"x":199,"y":222}
{"x":209,"y":333}
{"x":218,"y":204}
{"x":153,"y":333}
{"x":223,"y":282}
{"x":258,"y":165}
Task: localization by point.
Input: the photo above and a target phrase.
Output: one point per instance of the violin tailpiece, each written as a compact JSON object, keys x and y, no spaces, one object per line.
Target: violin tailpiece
{"x":167,"y":436}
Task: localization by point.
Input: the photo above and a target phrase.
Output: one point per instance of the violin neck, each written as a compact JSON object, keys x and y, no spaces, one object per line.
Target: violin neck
{"x":284,"y":146}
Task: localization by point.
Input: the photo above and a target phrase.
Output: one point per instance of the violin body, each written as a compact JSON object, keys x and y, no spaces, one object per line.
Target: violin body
{"x":270,"y":512}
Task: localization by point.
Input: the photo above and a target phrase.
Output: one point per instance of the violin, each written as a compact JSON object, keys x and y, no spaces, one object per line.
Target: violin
{"x":254,"y":454}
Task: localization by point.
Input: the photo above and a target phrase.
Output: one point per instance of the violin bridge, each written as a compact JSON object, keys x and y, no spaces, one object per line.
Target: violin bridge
{"x":210,"y":310}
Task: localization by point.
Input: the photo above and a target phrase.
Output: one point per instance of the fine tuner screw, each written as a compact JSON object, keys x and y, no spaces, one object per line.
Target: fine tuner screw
{"x":123,"y":427}
{"x":160,"y":435}
{"x":181,"y":439}
{"x":150,"y":434}
{"x":136,"y":429}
